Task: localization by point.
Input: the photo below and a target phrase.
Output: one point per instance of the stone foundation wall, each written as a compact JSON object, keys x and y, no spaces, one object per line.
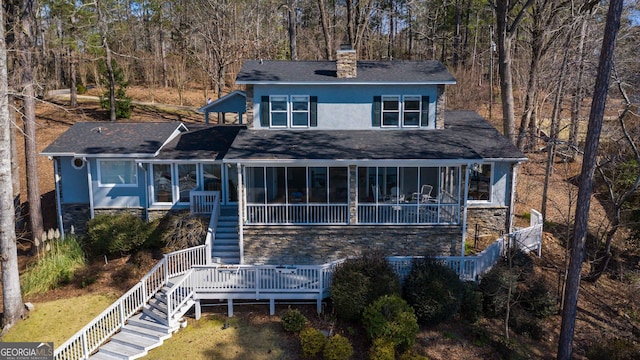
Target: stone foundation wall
{"x":75,"y":215}
{"x":491,"y":221}
{"x":322,"y":244}
{"x":139,"y":212}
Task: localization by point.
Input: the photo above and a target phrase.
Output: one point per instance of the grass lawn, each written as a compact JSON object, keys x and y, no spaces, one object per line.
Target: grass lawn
{"x":58,"y":320}
{"x":242,"y":339}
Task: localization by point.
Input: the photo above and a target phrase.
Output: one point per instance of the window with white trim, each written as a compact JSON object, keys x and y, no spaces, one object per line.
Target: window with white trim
{"x":480,"y":183}
{"x":390,"y":111}
{"x":117,"y":173}
{"x":288,"y":111}
{"x":279,"y":111}
{"x":299,"y":111}
{"x":400,"y":111}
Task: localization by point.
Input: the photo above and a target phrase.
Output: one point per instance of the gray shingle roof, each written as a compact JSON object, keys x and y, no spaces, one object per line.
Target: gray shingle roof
{"x":304,"y":72}
{"x":466,"y":137}
{"x":201,"y":142}
{"x":109,"y":138}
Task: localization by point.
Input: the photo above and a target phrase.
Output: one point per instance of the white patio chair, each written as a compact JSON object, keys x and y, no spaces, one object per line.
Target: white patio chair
{"x":425,"y":193}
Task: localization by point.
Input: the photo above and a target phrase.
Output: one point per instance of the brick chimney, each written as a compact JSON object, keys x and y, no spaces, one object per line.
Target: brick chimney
{"x":346,"y":62}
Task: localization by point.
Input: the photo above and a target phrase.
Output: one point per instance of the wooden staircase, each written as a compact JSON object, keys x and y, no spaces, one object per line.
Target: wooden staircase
{"x":145,"y":330}
{"x":226,"y":246}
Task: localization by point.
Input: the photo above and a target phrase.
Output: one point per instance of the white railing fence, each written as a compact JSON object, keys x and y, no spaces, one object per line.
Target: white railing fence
{"x":403,"y":213}
{"x":266,"y":214}
{"x":203,"y":202}
{"x":110,"y":321}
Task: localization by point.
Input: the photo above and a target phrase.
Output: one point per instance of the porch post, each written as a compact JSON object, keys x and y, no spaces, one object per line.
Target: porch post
{"x":353,"y":208}
{"x":241,"y":207}
{"x":56,"y":174}
{"x":464,"y":207}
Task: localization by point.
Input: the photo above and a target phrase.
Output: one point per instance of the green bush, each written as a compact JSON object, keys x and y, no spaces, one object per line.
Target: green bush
{"x":390,"y":318}
{"x":523,"y":323}
{"x":538,"y":299}
{"x":358,"y":282}
{"x":434,"y":291}
{"x":614,"y":349}
{"x":118,"y":234}
{"x":495,"y":286}
{"x":471,"y":307}
{"x":312,"y":341}
{"x":293,"y":320}
{"x":382,"y":350}
{"x":81,"y":89}
{"x":338,"y":348}
{"x":55,"y":267}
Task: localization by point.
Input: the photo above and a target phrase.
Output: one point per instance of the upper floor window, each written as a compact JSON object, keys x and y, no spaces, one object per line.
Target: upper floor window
{"x":400,"y":111}
{"x":117,"y":173}
{"x":480,"y":183}
{"x":283,"y":111}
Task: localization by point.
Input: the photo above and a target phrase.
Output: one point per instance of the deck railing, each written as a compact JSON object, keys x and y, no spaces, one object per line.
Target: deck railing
{"x":203,"y":202}
{"x":110,"y":321}
{"x":267,"y":214}
{"x":408,"y":213}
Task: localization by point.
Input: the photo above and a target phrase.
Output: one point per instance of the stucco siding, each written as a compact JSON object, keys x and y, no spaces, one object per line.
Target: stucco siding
{"x":347,"y":107}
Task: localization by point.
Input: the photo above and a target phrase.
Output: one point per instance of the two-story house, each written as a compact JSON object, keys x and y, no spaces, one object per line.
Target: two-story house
{"x":335,"y":158}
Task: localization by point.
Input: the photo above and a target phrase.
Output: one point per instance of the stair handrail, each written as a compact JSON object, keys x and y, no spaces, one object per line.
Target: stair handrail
{"x":213,"y":227}
{"x":176,"y":297}
{"x":111,"y":320}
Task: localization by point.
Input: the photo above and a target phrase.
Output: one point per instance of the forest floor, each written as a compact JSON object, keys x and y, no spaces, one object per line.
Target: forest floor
{"x":608,"y":308}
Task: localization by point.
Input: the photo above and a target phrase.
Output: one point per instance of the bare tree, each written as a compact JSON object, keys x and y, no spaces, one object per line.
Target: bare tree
{"x":509,"y":14}
{"x":569,"y":309}
{"x":24,"y":40}
{"x":104,"y":30}
{"x":11,"y":295}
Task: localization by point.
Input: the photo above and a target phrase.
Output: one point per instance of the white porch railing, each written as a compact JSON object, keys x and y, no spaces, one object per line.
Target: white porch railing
{"x":203,"y":202}
{"x":403,"y":213}
{"x":268,"y":214}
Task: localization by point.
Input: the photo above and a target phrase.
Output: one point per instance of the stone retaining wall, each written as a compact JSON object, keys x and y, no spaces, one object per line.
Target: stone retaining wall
{"x":322,"y":244}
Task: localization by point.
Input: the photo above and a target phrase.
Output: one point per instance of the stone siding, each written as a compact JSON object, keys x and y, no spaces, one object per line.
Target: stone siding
{"x":441,"y":106}
{"x":346,"y":64}
{"x":491,"y":222}
{"x":139,"y":212}
{"x":322,"y":244}
{"x":75,"y":215}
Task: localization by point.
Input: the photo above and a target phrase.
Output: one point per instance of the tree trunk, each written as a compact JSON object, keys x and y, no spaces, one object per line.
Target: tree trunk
{"x":586,"y":180}
{"x":74,"y":84}
{"x":110,"y":73}
{"x":293,"y":22}
{"x":15,"y":169}
{"x":576,"y":104}
{"x":324,"y":20}
{"x":24,"y":40}
{"x":504,"y":69}
{"x":11,"y":296}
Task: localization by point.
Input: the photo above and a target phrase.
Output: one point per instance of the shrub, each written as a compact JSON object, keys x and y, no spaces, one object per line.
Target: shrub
{"x":55,"y":267}
{"x":434,"y":291}
{"x":312,"y":341}
{"x":614,"y":349}
{"x":523,"y":323}
{"x":338,"y":348}
{"x":494,"y":286}
{"x":382,"y":350}
{"x":81,"y":89}
{"x":117,"y":234}
{"x":358,"y":282}
{"x":293,"y":320}
{"x":471,"y":307}
{"x":390,"y":318}
{"x":177,"y":231}
{"x":538,"y":299}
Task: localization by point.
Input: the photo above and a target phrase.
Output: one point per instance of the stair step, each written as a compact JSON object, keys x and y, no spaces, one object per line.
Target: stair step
{"x":104,"y":356}
{"x":226,"y":241}
{"x":231,"y":222}
{"x":136,"y":341}
{"x":145,"y":332}
{"x":226,"y":236}
{"x":153,"y":312}
{"x":123,"y":350}
{"x":149,"y":322}
{"x":226,"y":230}
{"x":159,"y":304}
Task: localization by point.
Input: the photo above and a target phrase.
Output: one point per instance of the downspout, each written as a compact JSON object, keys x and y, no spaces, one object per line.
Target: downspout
{"x":464,"y":207}
{"x":91,"y":212}
{"x":56,"y":174}
{"x":241,"y":204}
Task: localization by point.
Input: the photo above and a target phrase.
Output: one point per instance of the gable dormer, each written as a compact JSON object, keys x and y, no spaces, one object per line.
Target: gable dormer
{"x":345,"y":94}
